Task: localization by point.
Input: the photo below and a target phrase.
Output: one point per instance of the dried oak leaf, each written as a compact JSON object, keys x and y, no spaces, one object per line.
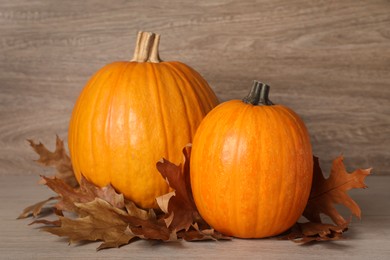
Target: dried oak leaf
{"x":86,"y":192}
{"x":102,"y":214}
{"x":35,"y":209}
{"x":327,"y":192}
{"x":197,"y":234}
{"x":182,"y":216}
{"x":56,"y":223}
{"x":149,"y":229}
{"x":178,"y":204}
{"x":310,"y":231}
{"x":58,"y":159}
{"x":145,"y":224}
{"x":100,"y":221}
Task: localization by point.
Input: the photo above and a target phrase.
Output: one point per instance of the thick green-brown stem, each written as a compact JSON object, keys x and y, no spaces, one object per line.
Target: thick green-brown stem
{"x":146,"y":49}
{"x":258,"y":95}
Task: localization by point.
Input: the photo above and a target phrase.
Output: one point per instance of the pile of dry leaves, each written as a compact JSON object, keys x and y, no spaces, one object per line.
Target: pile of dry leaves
{"x":85,"y":212}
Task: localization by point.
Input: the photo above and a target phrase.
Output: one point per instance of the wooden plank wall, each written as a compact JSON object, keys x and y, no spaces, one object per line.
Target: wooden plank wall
{"x":328,"y":60}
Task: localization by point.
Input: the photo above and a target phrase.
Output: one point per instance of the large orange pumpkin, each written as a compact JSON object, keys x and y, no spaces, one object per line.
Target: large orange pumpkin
{"x":251,"y":166}
{"x":132,"y":113}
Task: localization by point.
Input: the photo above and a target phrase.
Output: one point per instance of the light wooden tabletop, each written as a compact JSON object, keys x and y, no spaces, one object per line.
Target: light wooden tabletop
{"x":368,"y":238}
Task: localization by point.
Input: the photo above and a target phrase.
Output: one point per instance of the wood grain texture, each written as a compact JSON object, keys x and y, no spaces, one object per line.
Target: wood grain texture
{"x":328,"y":60}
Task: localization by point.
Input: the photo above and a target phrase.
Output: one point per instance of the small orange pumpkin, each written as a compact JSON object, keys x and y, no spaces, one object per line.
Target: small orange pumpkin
{"x":251,"y":166}
{"x":132,"y":113}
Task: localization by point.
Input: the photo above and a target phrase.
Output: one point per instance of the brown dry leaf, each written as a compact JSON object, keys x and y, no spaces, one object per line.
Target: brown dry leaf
{"x":179,"y":204}
{"x":86,"y":192}
{"x":310,"y":231}
{"x":100,"y":221}
{"x":149,"y":229}
{"x":58,"y":159}
{"x":327,"y":192}
{"x":134,"y":211}
{"x":321,"y":229}
{"x":145,"y":224}
{"x":196,"y":234}
{"x":56,"y":223}
{"x":102,"y":214}
{"x":35,"y":209}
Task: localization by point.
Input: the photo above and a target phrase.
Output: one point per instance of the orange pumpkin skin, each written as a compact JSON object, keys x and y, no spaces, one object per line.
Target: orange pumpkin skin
{"x":251,"y":169}
{"x":130,"y":115}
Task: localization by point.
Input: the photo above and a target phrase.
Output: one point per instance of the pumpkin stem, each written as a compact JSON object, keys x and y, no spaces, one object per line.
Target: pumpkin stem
{"x":146,"y":48}
{"x":258,"y":95}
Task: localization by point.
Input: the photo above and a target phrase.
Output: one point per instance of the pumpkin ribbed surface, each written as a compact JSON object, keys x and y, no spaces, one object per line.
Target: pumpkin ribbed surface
{"x":130,"y":115}
{"x":251,"y":169}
